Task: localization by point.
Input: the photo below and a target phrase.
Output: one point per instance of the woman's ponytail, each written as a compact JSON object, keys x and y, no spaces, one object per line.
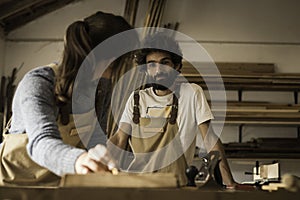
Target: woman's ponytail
{"x":77,"y":47}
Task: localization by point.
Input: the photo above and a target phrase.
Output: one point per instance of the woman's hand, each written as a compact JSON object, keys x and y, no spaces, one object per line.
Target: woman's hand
{"x":96,"y":159}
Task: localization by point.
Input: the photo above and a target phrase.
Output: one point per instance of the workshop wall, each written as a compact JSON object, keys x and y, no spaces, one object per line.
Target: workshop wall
{"x":242,"y":31}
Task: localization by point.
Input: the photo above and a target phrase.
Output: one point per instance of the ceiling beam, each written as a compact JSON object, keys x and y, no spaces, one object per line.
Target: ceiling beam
{"x":13,"y":7}
{"x":30,"y":13}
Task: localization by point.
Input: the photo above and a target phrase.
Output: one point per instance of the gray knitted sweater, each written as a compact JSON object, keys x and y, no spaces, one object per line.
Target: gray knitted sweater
{"x":35,"y":112}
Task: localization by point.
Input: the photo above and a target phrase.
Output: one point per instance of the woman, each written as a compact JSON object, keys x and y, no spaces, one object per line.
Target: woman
{"x":43,"y":102}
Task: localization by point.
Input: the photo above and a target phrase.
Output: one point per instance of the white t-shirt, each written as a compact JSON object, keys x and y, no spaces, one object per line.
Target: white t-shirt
{"x":193,"y":110}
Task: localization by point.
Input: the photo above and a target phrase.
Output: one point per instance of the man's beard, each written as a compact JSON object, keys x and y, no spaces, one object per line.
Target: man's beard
{"x":165,"y":83}
{"x":159,"y":87}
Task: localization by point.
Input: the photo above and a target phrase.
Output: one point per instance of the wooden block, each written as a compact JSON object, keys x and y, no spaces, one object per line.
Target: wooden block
{"x":273,"y":186}
{"x":122,"y":180}
{"x":289,"y":182}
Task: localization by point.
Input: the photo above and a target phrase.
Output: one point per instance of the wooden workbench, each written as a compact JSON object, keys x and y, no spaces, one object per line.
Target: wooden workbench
{"x":90,"y":193}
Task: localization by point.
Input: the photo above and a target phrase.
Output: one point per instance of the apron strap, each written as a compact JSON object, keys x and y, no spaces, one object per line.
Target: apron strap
{"x":7,"y":127}
{"x":136,"y":110}
{"x":174,"y":110}
{"x":64,"y":112}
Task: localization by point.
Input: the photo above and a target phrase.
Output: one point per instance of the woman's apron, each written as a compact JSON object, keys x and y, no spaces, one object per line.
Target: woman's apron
{"x":17,"y":168}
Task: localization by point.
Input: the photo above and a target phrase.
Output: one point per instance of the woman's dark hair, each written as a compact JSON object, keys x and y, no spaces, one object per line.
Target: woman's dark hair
{"x":80,"y":39}
{"x":159,"y":42}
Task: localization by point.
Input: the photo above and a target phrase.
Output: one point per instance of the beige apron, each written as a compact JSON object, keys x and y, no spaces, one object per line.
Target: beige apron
{"x":159,"y":139}
{"x":17,"y":168}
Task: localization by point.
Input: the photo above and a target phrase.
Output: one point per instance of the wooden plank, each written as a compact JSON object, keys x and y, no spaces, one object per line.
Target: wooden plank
{"x":250,"y":87}
{"x":122,"y":180}
{"x":277,"y":115}
{"x":246,"y":84}
{"x":257,"y":105}
{"x":259,"y":113}
{"x":248,"y":77}
{"x":255,"y":110}
{"x":257,"y":122}
{"x":246,"y":67}
{"x":229,"y":68}
{"x":272,"y":77}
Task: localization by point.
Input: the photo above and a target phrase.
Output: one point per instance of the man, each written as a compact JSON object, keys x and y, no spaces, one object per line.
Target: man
{"x":160,"y":123}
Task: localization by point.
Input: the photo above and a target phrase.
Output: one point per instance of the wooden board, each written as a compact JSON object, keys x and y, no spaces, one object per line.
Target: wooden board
{"x":230,"y":68}
{"x":122,"y":180}
{"x":257,"y":113}
{"x":240,"y":76}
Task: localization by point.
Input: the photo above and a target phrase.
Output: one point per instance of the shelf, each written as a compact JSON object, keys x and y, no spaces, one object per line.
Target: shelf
{"x":265,"y":148}
{"x":242,"y":77}
{"x":258,"y":113}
